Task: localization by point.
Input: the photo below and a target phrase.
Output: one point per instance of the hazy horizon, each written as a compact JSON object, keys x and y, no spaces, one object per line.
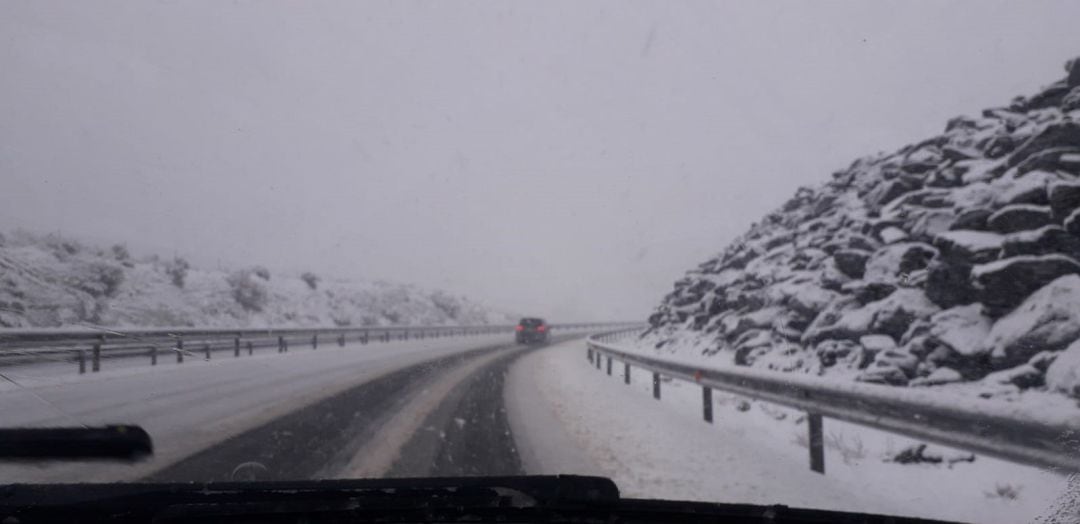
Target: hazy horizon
{"x":562,"y":159}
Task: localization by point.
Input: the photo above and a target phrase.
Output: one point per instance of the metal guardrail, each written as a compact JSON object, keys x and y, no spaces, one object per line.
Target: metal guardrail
{"x":1008,"y":432}
{"x":92,"y":346}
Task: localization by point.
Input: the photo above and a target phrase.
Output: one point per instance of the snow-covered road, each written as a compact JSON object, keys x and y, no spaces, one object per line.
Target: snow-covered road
{"x":483,"y":406}
{"x":199,"y":403}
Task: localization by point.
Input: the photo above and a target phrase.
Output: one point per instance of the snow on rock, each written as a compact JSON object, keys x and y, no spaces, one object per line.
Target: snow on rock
{"x":50,"y":281}
{"x":896,"y":312}
{"x":1019,"y":217}
{"x":974,"y":246}
{"x":1064,"y":373}
{"x":887,"y":263}
{"x":1003,"y":284}
{"x":1045,"y":240}
{"x":962,"y":249}
{"x":1048,"y":320}
{"x":962,"y":329}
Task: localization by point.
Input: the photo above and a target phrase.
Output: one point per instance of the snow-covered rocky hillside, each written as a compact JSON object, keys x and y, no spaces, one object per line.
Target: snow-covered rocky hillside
{"x":955,"y":259}
{"x":48,"y":281}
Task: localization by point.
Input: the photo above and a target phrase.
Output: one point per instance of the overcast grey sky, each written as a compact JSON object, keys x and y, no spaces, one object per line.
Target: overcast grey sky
{"x":564,"y":158}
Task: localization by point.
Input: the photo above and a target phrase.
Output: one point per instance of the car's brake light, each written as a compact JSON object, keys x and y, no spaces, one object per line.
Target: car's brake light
{"x":519,"y":328}
{"x":541,"y":328}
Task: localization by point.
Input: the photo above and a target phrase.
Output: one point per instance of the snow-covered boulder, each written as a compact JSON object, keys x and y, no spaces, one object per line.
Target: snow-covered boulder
{"x":851,"y":262}
{"x":942,"y":375}
{"x":1005,"y":283}
{"x":948,"y":283}
{"x":847,"y":353}
{"x":1046,"y":240}
{"x":970,"y":246}
{"x":1064,"y":198}
{"x":1064,"y":373}
{"x":893,"y":366}
{"x":1023,"y":376}
{"x":962,"y":329}
{"x":889,"y":262}
{"x":1048,"y":320}
{"x":895,"y":313}
{"x":1020,"y":217}
{"x":971,"y":219}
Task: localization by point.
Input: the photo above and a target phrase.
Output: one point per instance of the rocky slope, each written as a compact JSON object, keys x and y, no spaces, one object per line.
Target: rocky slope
{"x":955,"y":259}
{"x":48,"y":281}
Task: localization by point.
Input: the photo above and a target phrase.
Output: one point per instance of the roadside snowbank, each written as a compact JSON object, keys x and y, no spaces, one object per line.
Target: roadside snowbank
{"x":755,"y":452}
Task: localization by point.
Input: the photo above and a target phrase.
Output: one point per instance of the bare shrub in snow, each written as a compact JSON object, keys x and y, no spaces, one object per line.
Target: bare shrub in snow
{"x":447,"y":304}
{"x":249,"y":293}
{"x":98,"y":279}
{"x":393,"y":316}
{"x":851,"y":451}
{"x":310,"y":279}
{"x":177,"y":270}
{"x":120,"y":252}
{"x":261,"y":272}
{"x":1004,"y":491}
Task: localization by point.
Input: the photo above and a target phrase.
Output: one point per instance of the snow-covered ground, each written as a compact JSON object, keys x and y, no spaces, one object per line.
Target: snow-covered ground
{"x":51,"y":281}
{"x":187,"y":407}
{"x":754,"y":452}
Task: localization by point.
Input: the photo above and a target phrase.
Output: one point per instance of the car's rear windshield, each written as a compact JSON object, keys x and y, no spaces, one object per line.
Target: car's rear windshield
{"x":529,"y":322}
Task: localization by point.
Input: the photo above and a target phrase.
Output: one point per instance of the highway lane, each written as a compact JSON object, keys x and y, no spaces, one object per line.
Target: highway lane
{"x":441,"y":417}
{"x":189,"y":408}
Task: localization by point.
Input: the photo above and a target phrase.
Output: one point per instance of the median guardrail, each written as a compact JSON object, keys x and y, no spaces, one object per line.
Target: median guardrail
{"x":1013,"y":433}
{"x":89,"y":347}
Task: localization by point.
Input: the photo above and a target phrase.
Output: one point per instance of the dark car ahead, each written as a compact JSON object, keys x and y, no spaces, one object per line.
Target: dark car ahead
{"x":531,"y":331}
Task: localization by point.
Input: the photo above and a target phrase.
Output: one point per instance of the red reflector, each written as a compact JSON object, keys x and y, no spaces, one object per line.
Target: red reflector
{"x":519,"y":328}
{"x":541,"y":328}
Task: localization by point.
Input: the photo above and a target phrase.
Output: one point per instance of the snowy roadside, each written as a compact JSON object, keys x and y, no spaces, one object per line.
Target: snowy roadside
{"x":755,"y":452}
{"x":57,"y":373}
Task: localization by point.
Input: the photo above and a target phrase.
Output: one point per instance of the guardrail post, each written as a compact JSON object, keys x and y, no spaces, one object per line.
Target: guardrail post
{"x":236,"y":346}
{"x":341,"y":340}
{"x":706,"y":403}
{"x":588,"y":354}
{"x":82,"y":361}
{"x":609,"y":366}
{"x":153,"y":355}
{"x":95,"y":365}
{"x":179,"y":350}
{"x":251,"y":348}
{"x":656,"y":386}
{"x":206,"y":348}
{"x":386,"y":335}
{"x":817,"y":443}
{"x":626,"y":372}
{"x":280,"y":344}
{"x":315,"y":341}
{"x":597,"y":360}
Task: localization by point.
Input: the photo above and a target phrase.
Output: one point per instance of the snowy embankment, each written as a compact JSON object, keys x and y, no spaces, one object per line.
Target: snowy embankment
{"x":49,"y":281}
{"x":754,"y":452}
{"x":952,"y":264}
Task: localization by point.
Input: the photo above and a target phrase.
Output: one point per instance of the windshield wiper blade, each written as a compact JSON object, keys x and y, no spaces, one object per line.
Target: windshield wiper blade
{"x":119,"y":442}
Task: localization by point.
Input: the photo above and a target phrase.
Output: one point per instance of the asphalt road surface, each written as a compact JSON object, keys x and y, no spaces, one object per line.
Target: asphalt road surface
{"x":466,"y":434}
{"x":430,"y":407}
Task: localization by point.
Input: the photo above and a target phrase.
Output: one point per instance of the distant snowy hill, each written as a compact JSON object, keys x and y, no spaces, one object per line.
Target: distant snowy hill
{"x":955,"y":259}
{"x":48,"y":281}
